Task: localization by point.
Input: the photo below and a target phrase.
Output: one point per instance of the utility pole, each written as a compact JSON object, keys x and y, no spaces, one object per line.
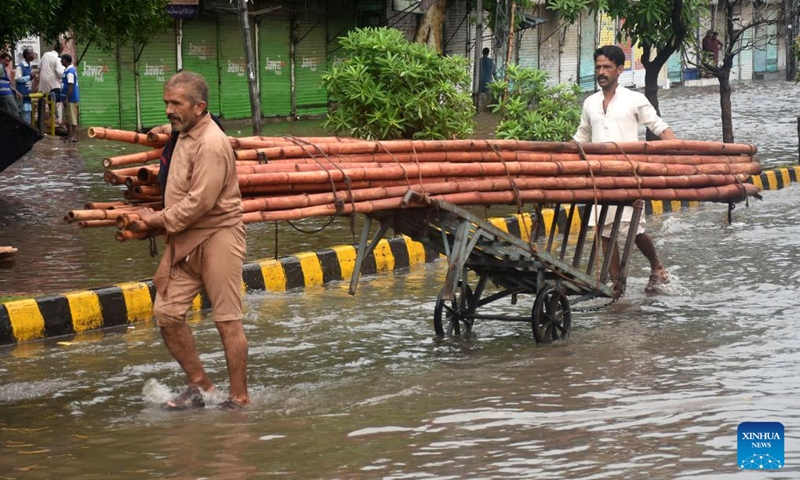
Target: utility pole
{"x":790,"y":10}
{"x":476,"y":71}
{"x":255,"y":103}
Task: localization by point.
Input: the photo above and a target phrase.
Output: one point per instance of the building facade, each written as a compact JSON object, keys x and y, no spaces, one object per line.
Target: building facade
{"x":295,"y":42}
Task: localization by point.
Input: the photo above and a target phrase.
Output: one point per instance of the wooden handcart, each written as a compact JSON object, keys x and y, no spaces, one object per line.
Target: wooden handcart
{"x":560,"y":268}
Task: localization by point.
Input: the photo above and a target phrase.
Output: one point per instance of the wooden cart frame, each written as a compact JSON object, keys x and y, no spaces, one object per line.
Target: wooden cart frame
{"x":473,"y":244}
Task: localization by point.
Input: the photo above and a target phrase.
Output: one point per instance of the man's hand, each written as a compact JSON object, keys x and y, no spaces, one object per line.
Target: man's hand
{"x":150,"y":217}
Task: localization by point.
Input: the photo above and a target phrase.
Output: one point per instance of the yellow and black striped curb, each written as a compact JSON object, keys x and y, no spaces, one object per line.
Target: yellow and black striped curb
{"x":126,"y":303}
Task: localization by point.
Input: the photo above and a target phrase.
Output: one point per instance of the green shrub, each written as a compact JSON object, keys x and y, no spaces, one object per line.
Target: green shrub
{"x":530,"y":110}
{"x":390,"y":88}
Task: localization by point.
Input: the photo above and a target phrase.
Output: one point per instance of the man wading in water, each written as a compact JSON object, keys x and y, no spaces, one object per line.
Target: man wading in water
{"x":613,"y":115}
{"x":205,"y":239}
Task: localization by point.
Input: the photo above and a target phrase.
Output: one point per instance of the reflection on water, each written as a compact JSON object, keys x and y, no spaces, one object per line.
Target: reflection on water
{"x":54,"y":257}
{"x":357,"y":387}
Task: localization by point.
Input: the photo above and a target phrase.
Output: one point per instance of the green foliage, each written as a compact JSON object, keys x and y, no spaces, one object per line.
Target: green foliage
{"x":490,"y":6}
{"x":531,"y":110}
{"x":648,"y":23}
{"x":390,"y":88}
{"x":104,"y":23}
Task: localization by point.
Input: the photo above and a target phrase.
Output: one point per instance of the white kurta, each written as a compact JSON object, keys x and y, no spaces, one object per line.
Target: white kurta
{"x":619,"y":122}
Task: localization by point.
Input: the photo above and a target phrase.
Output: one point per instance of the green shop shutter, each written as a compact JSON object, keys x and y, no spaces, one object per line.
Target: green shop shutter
{"x":199,"y":50}
{"x":337,"y":28}
{"x":156,"y":65}
{"x":273,"y":51}
{"x":311,"y":98}
{"x":98,"y":83}
{"x":127,"y":90}
{"x":234,"y":94}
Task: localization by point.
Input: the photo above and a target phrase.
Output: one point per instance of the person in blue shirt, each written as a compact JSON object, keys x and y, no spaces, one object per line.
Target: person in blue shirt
{"x":8,"y":93}
{"x":24,"y":79}
{"x":71,"y":97}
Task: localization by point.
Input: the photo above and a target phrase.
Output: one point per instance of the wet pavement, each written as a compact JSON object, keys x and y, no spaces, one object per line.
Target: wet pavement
{"x":359,"y":387}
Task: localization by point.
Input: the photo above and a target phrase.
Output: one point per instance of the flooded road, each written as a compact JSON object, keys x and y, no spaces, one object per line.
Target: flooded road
{"x":38,"y":190}
{"x":359,"y":388}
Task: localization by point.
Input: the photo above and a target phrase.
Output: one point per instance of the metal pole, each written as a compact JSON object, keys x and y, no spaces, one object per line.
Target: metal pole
{"x":255,"y":104}
{"x":179,"y":42}
{"x":791,"y":11}
{"x":476,"y":73}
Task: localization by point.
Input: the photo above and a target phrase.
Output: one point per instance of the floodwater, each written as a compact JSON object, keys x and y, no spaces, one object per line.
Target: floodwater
{"x":38,"y":190}
{"x":358,"y":387}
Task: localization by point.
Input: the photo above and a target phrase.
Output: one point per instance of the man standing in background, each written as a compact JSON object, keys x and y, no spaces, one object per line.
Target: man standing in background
{"x":70,"y":97}
{"x":8,"y":93}
{"x":24,"y":78}
{"x":50,"y":73}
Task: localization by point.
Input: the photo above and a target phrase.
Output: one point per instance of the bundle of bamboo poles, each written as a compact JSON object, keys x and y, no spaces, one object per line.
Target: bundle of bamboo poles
{"x":287,"y":178}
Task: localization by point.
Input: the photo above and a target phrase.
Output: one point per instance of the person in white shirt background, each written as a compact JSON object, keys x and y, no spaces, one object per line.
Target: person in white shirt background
{"x":50,"y":73}
{"x":613,"y":114}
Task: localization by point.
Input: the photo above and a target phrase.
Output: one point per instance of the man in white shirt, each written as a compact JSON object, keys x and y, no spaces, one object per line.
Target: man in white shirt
{"x":614,"y":114}
{"x":50,"y":73}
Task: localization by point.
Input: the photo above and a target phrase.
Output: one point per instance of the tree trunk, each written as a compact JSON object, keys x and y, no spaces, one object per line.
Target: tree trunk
{"x":431,"y":26}
{"x":651,"y":71}
{"x":725,"y":106}
{"x":654,"y":66}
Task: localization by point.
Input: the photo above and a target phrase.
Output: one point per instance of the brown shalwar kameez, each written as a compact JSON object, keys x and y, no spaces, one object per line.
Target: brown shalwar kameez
{"x":205,"y":236}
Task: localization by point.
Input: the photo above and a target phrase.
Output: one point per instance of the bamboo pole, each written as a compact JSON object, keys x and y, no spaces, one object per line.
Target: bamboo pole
{"x":492,"y":169}
{"x":121,"y":136}
{"x":724,"y":193}
{"x":283,"y":202}
{"x":465,"y":157}
{"x":132,"y":158}
{"x":419,"y":146}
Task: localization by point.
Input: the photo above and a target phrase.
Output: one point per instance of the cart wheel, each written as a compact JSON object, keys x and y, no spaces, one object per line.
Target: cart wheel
{"x":550,"y":319}
{"x":450,"y":315}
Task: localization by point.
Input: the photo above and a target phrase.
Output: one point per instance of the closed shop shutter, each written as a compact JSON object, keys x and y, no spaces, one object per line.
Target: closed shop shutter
{"x":456,"y":29}
{"x":528,"y":53}
{"x":674,"y":67}
{"x":310,"y":61}
{"x":772,"y":48}
{"x":549,"y":58}
{"x":746,"y":57}
{"x":98,"y":83}
{"x":275,"y":78}
{"x":127,"y":95}
{"x":340,"y":21}
{"x":234,"y":93}
{"x":569,"y":55}
{"x":156,"y":65}
{"x":200,"y":55}
{"x":588,"y":46}
{"x":760,"y":50}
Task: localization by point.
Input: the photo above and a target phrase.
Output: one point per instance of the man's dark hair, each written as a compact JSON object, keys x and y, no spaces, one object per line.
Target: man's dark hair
{"x":611,"y":52}
{"x":485,"y":51}
{"x":57,"y":47}
{"x":5,"y":56}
